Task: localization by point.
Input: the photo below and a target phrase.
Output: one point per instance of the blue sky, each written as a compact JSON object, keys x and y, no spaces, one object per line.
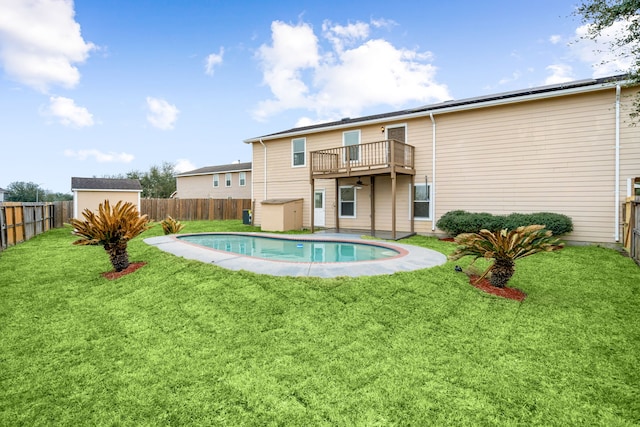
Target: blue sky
{"x":103,"y":87}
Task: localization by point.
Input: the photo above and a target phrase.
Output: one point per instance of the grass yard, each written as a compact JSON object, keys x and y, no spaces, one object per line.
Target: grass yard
{"x":180,"y":342}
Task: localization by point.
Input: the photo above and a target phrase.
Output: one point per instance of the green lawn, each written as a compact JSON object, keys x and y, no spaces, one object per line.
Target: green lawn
{"x":180,"y":342}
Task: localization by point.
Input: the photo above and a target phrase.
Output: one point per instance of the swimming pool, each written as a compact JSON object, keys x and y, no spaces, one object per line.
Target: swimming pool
{"x":291,"y":249}
{"x":404,"y":258}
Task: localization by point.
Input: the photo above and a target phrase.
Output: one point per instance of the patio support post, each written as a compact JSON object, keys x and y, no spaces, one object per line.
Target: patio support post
{"x":411,"y":204}
{"x":393,"y":204}
{"x":372,"y":196}
{"x":393,"y":189}
{"x":337,"y":207}
{"x":313,"y":204}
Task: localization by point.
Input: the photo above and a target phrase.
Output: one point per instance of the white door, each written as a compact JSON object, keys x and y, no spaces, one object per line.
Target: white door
{"x":318,"y":208}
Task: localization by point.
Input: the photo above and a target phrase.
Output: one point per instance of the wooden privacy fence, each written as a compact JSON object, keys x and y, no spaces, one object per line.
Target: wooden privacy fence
{"x":22,"y":221}
{"x":194,"y":209}
{"x":631,"y":232}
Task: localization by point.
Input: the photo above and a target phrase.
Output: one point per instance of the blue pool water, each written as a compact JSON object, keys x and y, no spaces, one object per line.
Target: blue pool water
{"x":291,"y":250}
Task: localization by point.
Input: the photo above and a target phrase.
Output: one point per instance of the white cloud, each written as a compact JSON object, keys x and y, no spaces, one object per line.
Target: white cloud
{"x":347,"y":35}
{"x":560,"y":73}
{"x":68,"y":113}
{"x":183,"y":165}
{"x":99,"y":156}
{"x":212,"y":60}
{"x":353,"y":73}
{"x":40,"y":43}
{"x":599,"y":54}
{"x":161,"y":115}
{"x":555,"y":39}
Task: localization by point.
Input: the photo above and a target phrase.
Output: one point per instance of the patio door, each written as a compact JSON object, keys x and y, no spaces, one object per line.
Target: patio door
{"x":399,"y":133}
{"x":318,"y":208}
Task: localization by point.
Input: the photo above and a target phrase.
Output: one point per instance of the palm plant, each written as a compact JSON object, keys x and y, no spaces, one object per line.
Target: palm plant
{"x":111,"y":228}
{"x":171,"y":226}
{"x":504,"y":247}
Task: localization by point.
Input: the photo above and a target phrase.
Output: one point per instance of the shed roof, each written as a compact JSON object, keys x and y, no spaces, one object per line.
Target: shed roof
{"x":105,"y":184}
{"x":233,"y":167}
{"x":456,"y":105}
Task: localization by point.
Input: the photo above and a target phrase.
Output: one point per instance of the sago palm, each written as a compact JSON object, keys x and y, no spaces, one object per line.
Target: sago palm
{"x":171,"y":226}
{"x":111,"y":228}
{"x":504,"y":247}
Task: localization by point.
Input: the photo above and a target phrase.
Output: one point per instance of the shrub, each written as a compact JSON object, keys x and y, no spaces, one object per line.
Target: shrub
{"x":111,"y":228}
{"x":459,"y":221}
{"x":504,"y":247}
{"x":171,"y":226}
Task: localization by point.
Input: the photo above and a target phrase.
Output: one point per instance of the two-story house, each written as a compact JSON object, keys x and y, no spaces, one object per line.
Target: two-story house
{"x":567,"y":148}
{"x":216,"y":182}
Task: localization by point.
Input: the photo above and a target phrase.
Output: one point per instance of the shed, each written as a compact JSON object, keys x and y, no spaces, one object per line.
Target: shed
{"x":88,"y":193}
{"x":282,"y":214}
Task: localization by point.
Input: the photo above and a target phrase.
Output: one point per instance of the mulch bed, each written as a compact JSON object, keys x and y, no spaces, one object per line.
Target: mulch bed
{"x":506,"y":292}
{"x":133,"y":266}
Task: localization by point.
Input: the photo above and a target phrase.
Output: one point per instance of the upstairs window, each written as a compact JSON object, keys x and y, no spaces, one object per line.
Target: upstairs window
{"x":216,"y":180}
{"x":298,"y":147}
{"x":243,"y":179}
{"x":227,"y":180}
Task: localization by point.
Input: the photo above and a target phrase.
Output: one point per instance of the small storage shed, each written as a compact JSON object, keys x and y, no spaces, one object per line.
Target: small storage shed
{"x":88,"y":193}
{"x":282,"y":214}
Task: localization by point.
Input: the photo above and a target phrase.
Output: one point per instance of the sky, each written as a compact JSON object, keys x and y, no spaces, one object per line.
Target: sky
{"x":98,"y":88}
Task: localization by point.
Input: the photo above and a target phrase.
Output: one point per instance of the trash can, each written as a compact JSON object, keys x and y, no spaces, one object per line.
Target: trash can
{"x":246,"y":217}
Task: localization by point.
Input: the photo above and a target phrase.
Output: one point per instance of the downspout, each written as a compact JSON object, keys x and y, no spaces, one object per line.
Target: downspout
{"x":433,"y":172}
{"x":617,"y":173}
{"x":265,"y":169}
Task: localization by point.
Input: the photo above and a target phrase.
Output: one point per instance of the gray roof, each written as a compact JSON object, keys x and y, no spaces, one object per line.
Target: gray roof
{"x":234,"y":167}
{"x":452,"y":104}
{"x":2,"y":190}
{"x":105,"y":184}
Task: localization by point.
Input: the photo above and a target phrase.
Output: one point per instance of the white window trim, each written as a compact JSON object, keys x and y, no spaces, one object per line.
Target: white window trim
{"x":293,"y":165}
{"x":242,"y":177}
{"x":355,"y":202}
{"x":216,"y":180}
{"x":420,"y":218}
{"x":228,"y":182}
{"x":353,"y":145}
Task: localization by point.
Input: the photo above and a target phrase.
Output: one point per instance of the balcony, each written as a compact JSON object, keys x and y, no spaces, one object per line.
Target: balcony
{"x":372,"y":158}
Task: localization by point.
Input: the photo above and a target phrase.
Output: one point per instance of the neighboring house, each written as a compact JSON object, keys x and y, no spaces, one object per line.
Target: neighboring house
{"x":566,"y":148}
{"x":88,"y":193}
{"x":216,"y":182}
{"x":2,"y":191}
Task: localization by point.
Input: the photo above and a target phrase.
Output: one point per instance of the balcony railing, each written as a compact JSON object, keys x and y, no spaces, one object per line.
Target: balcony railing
{"x":377,"y":157}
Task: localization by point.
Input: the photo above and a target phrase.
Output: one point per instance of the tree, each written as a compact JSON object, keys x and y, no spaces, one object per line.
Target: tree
{"x":158,"y":183}
{"x":602,"y":15}
{"x":25,"y":192}
{"x":31,"y":192}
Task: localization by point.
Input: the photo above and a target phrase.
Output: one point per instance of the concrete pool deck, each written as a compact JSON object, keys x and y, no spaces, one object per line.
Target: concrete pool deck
{"x":413,"y":258}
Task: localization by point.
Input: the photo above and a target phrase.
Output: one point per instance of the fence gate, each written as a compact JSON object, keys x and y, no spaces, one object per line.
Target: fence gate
{"x":631,"y":232}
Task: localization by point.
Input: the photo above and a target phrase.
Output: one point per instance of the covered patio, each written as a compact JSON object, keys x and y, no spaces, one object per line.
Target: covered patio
{"x":388,"y":158}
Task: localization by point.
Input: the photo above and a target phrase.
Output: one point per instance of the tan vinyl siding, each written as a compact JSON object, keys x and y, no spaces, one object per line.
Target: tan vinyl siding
{"x":555,"y":154}
{"x":201,"y":186}
{"x":87,"y":199}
